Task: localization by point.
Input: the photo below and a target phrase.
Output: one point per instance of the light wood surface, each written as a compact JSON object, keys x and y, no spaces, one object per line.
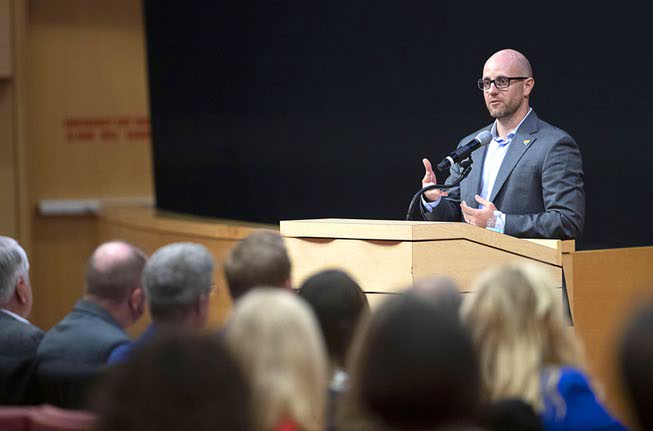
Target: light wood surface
{"x":6,"y":39}
{"x":547,"y":251}
{"x":57,"y":265}
{"x":387,"y":255}
{"x":8,"y":155}
{"x":8,"y":179}
{"x":463,"y":261}
{"x":153,"y":220}
{"x":74,"y":59}
{"x":86,"y":61}
{"x":378,"y":266}
{"x":608,"y":286}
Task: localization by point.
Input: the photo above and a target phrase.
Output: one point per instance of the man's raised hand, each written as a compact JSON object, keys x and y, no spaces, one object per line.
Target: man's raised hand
{"x":429,"y":178}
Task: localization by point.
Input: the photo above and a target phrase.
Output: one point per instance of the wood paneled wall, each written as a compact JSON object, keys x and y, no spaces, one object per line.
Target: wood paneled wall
{"x":83,"y":116}
{"x":608,"y":285}
{"x":8,"y":178}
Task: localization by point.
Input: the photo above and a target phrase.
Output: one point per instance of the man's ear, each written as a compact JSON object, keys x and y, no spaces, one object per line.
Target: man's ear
{"x":287,"y":284}
{"x":528,"y":86}
{"x":137,"y":301}
{"x":22,"y":290}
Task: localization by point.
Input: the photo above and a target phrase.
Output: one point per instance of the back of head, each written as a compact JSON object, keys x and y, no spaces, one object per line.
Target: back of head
{"x":276,"y":338}
{"x":13,"y":264}
{"x":175,"y":278}
{"x":636,"y":359}
{"x":415,"y":367}
{"x":516,"y":323}
{"x":178,"y":382}
{"x":113,"y":270}
{"x":259,"y":260}
{"x":441,"y":292}
{"x":338,"y":302}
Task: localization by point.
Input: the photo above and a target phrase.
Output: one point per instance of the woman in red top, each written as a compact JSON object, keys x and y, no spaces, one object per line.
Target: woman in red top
{"x":276,"y":338}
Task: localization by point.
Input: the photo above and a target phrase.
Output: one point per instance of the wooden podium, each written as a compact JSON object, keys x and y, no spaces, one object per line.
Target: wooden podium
{"x":386,"y":256}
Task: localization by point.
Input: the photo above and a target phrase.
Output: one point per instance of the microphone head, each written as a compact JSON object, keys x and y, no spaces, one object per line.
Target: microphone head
{"x":484,"y":137}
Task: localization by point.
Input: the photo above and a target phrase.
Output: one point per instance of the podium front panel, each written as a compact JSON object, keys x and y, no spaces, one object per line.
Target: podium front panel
{"x":463,"y":261}
{"x":378,"y":266}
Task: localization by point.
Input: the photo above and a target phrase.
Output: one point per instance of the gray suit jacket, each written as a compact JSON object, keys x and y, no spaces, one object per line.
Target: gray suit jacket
{"x":18,"y":339}
{"x":539,"y":185}
{"x":87,"y":335}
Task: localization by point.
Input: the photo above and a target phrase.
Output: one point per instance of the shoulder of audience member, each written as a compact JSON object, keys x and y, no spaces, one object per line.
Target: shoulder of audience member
{"x":572,"y":379}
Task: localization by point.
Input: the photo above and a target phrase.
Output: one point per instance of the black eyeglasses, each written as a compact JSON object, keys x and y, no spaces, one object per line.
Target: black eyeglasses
{"x":501,"y":82}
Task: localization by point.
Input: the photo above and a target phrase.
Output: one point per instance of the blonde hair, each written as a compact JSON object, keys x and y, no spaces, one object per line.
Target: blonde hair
{"x":278,"y":342}
{"x":516,"y":324}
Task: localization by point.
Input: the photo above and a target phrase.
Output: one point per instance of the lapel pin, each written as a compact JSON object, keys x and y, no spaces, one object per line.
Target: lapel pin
{"x":527,"y":141}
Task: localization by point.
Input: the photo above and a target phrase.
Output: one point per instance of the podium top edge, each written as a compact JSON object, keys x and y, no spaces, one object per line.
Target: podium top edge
{"x":549,"y":250}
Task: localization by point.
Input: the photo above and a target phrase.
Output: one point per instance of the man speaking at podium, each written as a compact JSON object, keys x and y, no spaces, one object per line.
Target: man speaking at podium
{"x":528,"y":182}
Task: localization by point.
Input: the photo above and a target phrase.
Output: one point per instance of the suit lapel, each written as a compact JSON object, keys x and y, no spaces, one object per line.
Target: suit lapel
{"x":520,"y":143}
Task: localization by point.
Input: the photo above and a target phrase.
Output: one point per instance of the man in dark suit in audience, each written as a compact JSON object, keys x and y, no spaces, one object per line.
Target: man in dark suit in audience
{"x":113,"y":302}
{"x":259,"y":260}
{"x":178,"y":280}
{"x":18,"y":337}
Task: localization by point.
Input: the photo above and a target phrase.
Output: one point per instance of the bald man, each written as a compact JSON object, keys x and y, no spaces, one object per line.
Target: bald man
{"x":528,"y":182}
{"x":113,"y":301}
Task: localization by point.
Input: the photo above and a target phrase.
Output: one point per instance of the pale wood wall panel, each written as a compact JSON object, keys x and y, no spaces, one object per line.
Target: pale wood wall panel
{"x":608,"y":284}
{"x":86,"y":60}
{"x":8,"y":179}
{"x":80,"y":62}
{"x":6,"y":33}
{"x":58,"y":259}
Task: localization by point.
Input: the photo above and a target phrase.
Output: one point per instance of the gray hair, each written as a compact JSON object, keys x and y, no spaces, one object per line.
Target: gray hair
{"x":177,"y":275}
{"x":13,"y":264}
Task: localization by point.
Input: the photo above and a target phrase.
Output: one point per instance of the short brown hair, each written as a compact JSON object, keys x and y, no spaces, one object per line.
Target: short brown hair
{"x":261,"y":259}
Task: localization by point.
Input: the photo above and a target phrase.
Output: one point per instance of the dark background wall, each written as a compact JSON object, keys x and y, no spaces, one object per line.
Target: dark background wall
{"x":276,"y":110}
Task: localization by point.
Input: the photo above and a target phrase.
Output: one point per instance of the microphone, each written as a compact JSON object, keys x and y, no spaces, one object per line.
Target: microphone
{"x":461,"y":153}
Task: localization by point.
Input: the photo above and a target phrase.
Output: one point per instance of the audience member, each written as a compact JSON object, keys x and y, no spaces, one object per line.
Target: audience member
{"x":636,"y":362}
{"x":413,"y":368}
{"x":18,"y":337}
{"x":442,"y":292}
{"x":259,"y":260}
{"x":526,"y":352}
{"x":178,"y":279}
{"x":339,"y":304}
{"x":177,"y":382}
{"x":113,"y":301}
{"x":276,"y":338}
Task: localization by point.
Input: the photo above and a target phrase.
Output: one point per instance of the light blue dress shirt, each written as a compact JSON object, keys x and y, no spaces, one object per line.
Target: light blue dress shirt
{"x":496,"y":151}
